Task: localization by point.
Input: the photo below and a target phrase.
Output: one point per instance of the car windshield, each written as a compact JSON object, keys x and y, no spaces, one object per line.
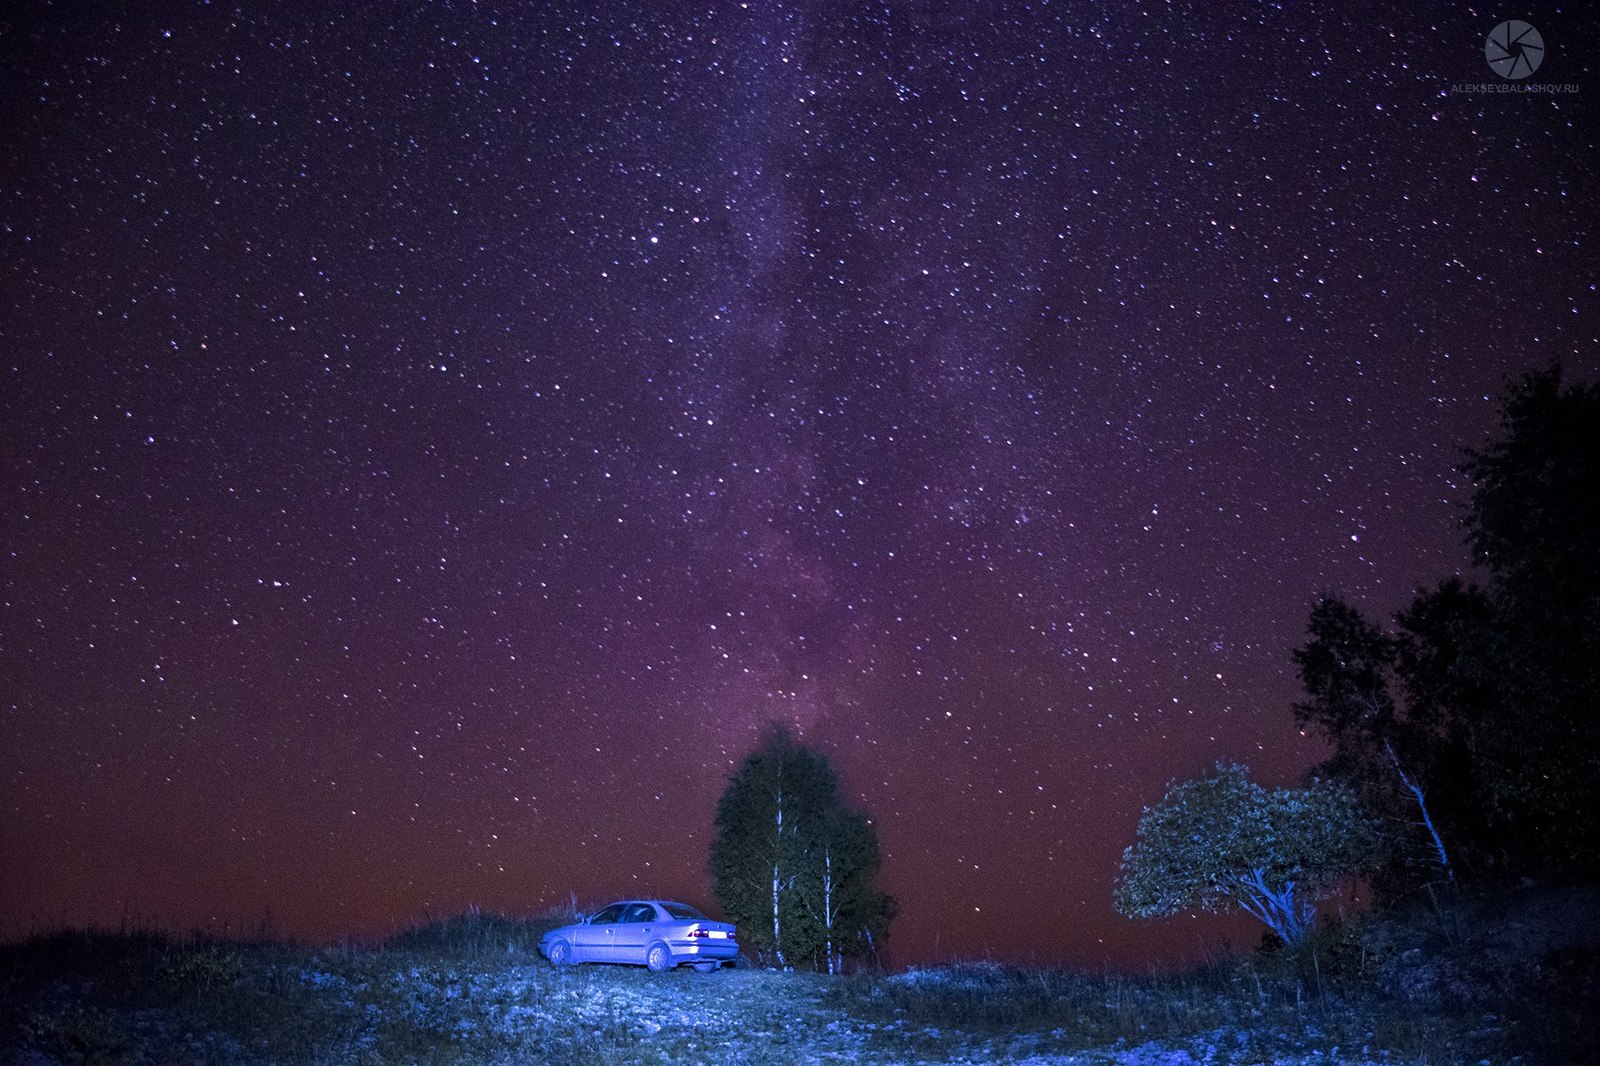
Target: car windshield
{"x":679,"y":910}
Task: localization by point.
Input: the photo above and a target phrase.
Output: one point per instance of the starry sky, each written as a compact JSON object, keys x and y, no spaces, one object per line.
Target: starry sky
{"x":438,"y":440}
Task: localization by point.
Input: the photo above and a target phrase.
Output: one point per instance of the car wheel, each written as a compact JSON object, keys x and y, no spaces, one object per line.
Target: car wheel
{"x":707,"y":967}
{"x":658,"y":958}
{"x":560,"y":955}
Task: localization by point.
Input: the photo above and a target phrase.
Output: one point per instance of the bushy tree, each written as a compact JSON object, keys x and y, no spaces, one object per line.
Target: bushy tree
{"x":792,"y":864}
{"x":1223,"y":841}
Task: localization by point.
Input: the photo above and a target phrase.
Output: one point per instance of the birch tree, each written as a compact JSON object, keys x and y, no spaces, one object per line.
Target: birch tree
{"x":843,"y":913}
{"x":791,"y":864}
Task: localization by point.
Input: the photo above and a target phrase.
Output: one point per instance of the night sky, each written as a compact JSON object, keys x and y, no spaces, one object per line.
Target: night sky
{"x":436,"y":444}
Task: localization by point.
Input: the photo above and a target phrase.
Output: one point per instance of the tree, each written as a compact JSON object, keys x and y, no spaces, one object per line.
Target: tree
{"x":1477,"y":724}
{"x":1532,"y":523}
{"x":791,"y":864}
{"x":1344,"y":669}
{"x":1383,"y":750}
{"x":836,"y":902}
{"x":1222,"y":841}
{"x":1448,"y":682}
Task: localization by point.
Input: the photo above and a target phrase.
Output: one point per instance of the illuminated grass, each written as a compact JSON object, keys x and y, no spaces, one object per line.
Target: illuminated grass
{"x":472,"y":990}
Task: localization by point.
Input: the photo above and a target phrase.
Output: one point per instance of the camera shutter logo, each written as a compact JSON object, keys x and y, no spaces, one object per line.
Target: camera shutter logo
{"x":1514,"y":49}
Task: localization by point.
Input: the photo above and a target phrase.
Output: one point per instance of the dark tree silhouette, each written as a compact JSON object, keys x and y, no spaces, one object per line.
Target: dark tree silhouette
{"x":1382,"y":753}
{"x":1445,"y":663}
{"x":1474,"y":730}
{"x":1533,"y":524}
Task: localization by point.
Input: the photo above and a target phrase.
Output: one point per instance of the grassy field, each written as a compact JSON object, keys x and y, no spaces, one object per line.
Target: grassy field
{"x":473,"y":990}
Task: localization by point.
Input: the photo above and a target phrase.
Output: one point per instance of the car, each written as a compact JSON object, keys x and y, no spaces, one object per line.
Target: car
{"x":655,"y":933}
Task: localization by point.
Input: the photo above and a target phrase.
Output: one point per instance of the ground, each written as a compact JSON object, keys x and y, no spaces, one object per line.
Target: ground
{"x":474,"y":990}
{"x":339,"y":1009}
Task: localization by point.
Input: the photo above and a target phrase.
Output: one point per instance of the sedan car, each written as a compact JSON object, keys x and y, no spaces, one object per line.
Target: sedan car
{"x":656,"y":933}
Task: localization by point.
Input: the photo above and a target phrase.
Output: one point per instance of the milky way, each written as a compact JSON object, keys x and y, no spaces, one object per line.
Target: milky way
{"x":435,"y":445}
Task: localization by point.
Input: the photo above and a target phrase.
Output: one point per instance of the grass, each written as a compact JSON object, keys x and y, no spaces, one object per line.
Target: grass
{"x":475,"y":935}
{"x":471,"y":989}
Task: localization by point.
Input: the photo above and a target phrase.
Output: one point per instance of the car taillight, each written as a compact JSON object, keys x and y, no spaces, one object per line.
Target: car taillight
{"x":696,"y":934}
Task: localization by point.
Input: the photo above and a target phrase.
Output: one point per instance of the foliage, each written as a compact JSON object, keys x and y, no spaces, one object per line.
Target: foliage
{"x":835,"y":903}
{"x":1344,"y":670}
{"x":1444,"y":657}
{"x":1472,"y":730}
{"x":791,"y":864}
{"x":1222,"y":841}
{"x":1407,"y":759}
{"x":1532,"y":523}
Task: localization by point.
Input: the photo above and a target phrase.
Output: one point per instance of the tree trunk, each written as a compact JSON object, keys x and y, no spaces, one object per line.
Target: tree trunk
{"x":1278,"y":910}
{"x":777,"y":851}
{"x":827,"y":903}
{"x":1422,"y":805}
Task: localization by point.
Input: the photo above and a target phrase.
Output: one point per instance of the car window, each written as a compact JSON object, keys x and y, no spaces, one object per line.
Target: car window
{"x":610,"y":916}
{"x":641,"y":912}
{"x":681,"y":911}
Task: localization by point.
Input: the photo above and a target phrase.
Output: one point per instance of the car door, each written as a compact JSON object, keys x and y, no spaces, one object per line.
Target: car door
{"x":635,"y":932}
{"x":595,"y":939}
